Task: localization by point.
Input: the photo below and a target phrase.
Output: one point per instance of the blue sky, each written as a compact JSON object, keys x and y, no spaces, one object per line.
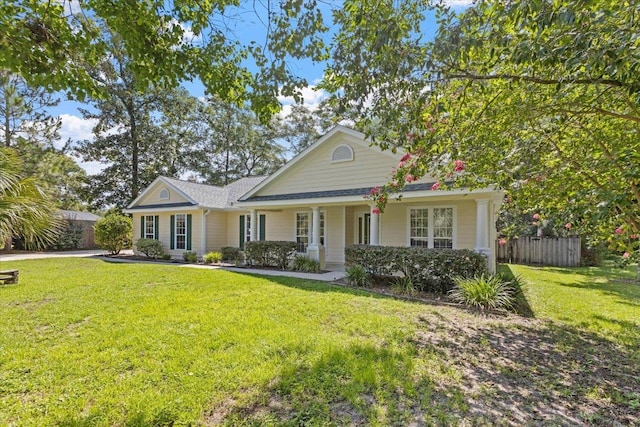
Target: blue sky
{"x":76,"y":128}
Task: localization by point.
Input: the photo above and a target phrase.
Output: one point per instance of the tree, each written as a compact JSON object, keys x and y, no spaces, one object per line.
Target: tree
{"x":25,"y":210}
{"x":167,"y":42}
{"x":233,"y":144}
{"x":303,"y":126}
{"x":114,"y":233}
{"x":540,"y":98}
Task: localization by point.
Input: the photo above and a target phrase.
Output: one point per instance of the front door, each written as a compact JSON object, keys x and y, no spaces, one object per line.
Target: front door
{"x":363,"y":227}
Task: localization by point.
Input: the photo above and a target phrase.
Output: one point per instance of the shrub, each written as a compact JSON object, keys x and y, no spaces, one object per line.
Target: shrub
{"x":404,"y":285}
{"x":356,"y":275}
{"x":230,"y":253}
{"x":431,"y":270}
{"x":114,"y":233}
{"x":166,"y":257}
{"x":190,"y":256}
{"x":266,"y":253}
{"x":592,"y":254}
{"x":305,"y":264}
{"x":150,"y":247}
{"x":486,"y":292}
{"x":212,"y":257}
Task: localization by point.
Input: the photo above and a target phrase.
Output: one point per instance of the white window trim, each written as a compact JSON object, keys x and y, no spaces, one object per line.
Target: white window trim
{"x":153,"y":232}
{"x":175,"y":231}
{"x":350,"y":159}
{"x":430,"y":238}
{"x":310,"y":232}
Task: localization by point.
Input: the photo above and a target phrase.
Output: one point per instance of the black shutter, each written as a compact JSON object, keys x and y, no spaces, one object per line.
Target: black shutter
{"x":189,"y":232}
{"x":172,"y":245}
{"x":142,"y":227}
{"x":262,"y":232}
{"x":156,"y":222}
{"x":242,"y":232}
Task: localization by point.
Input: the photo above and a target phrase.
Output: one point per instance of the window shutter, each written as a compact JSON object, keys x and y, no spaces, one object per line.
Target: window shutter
{"x":142,"y":227}
{"x":189,"y":232}
{"x":156,"y":223}
{"x":241,"y":231}
{"x":263,"y":220}
{"x":172,"y":245}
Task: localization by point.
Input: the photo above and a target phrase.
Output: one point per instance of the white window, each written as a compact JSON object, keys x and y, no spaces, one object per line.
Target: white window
{"x":304,"y":230}
{"x":164,"y":194}
{"x":181,"y":231}
{"x":150,"y":227}
{"x":432,"y":227}
{"x":247,"y":228}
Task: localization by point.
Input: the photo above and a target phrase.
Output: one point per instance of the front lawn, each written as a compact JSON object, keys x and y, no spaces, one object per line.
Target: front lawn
{"x":85,"y":342}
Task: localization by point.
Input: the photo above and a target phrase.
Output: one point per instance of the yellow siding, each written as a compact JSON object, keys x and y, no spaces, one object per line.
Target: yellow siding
{"x":216,"y":230}
{"x":335,"y":227}
{"x":316,"y":172}
{"x":153,"y":197}
{"x":164,"y":232}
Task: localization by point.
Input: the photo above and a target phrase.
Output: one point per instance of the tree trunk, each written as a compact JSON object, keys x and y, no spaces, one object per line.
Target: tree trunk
{"x":133,"y":132}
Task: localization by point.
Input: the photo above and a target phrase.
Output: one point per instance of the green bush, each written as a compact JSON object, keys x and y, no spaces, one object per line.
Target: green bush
{"x":404,"y":285}
{"x":305,"y":264}
{"x":190,"y":256}
{"x":266,"y":253}
{"x":486,"y":292}
{"x":430,"y":270}
{"x":356,"y":275}
{"x":230,"y":253}
{"x":592,"y":254}
{"x":150,"y":247}
{"x":166,"y":257}
{"x":212,"y":257}
{"x":114,"y":233}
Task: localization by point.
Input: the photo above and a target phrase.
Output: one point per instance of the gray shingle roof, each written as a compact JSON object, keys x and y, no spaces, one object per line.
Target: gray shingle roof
{"x":78,"y":215}
{"x":210,"y":196}
{"x":423,"y":186}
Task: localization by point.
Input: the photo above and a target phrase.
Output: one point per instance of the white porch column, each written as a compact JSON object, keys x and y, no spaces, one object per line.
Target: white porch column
{"x":374,"y":228}
{"x":315,"y":225}
{"x":253,"y":232}
{"x":315,"y":250}
{"x":482,"y":229}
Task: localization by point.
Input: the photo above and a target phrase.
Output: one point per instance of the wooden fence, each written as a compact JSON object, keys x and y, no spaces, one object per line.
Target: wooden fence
{"x":552,"y":251}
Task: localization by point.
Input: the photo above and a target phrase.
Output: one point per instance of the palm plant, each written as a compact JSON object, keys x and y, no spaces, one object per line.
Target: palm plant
{"x":25,"y":210}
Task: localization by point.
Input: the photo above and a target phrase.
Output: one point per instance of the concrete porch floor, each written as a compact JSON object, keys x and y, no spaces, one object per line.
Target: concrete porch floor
{"x":335,"y":271}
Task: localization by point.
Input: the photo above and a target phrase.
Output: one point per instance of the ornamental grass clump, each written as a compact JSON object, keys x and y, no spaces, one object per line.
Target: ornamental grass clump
{"x":485,"y":292}
{"x":213,"y":257}
{"x":356,"y":275}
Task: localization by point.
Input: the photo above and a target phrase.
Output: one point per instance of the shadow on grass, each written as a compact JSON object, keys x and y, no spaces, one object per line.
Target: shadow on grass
{"x":475,"y":370}
{"x":521,"y":305}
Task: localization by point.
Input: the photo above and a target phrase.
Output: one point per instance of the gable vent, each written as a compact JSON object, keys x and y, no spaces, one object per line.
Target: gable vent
{"x":164,"y":194}
{"x":342,"y":153}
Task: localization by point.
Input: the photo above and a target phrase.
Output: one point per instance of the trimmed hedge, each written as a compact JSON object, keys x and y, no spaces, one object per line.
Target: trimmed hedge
{"x":267,"y":253}
{"x":230,"y":253}
{"x":430,"y":270}
{"x":150,"y":247}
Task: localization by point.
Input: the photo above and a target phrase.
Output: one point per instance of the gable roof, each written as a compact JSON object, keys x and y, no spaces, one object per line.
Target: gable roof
{"x":358,"y":137}
{"x":200,"y":195}
{"x":78,"y":215}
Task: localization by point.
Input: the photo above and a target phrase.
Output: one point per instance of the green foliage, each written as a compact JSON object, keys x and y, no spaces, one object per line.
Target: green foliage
{"x":404,"y":285}
{"x":190,"y":256}
{"x":265,"y":253}
{"x":231,"y":253}
{"x":69,"y":238}
{"x":592,"y":254}
{"x":430,"y":270}
{"x":150,"y":247}
{"x":485,"y":292}
{"x":305,"y":264}
{"x":213,"y":257}
{"x":166,"y":257}
{"x":356,"y":275}
{"x":114,"y":233}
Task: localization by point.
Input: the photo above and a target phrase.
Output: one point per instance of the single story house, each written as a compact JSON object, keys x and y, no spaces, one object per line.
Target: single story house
{"x":316,"y":199}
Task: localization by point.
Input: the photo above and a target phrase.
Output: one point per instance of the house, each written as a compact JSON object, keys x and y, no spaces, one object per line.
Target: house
{"x":83,"y":222}
{"x":316,"y":199}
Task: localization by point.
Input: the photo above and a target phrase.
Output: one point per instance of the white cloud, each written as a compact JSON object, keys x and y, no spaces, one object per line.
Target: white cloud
{"x":458,"y":3}
{"x":311,"y":96}
{"x":75,"y":128}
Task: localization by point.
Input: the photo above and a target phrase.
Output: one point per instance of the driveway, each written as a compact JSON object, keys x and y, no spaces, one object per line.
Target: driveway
{"x":65,"y":254}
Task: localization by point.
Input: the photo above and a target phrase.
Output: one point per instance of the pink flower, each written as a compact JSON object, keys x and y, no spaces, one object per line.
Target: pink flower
{"x":374,"y":190}
{"x":410,"y":178}
{"x":375,"y":211}
{"x":635,"y":236}
{"x":568,"y":226}
{"x":502,"y":241}
{"x":459,"y":166}
{"x":626,"y":255}
{"x":410,"y":135}
{"x":619,"y":230}
{"x":406,"y":157}
{"x":402,"y":164}
{"x":536,"y":217}
{"x":507,"y":200}
{"x":435,"y":186}
{"x":394,"y":184}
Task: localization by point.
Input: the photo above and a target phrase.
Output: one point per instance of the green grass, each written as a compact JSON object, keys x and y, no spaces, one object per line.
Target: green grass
{"x":84,"y":342}
{"x":604,"y":300}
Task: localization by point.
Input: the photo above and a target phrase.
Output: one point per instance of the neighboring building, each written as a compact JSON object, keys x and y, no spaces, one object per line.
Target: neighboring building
{"x":84,"y":221}
{"x":317,"y":200}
